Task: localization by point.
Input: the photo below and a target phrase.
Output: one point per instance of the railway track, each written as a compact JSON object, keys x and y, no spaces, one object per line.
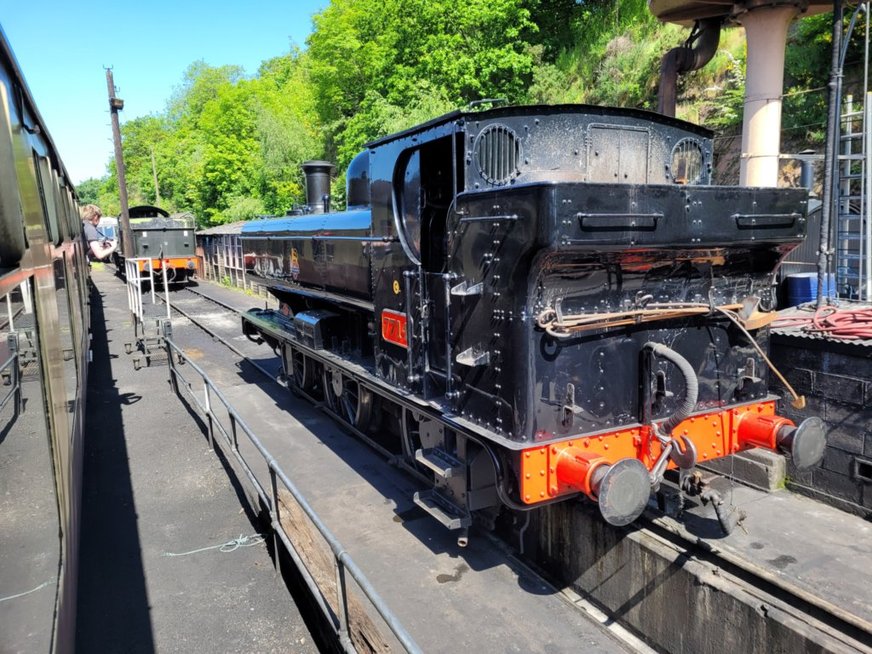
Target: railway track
{"x":213,"y":332}
{"x":196,"y":312}
{"x":771,"y":591}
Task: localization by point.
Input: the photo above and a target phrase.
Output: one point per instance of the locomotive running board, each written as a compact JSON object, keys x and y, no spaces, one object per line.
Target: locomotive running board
{"x":444,"y":510}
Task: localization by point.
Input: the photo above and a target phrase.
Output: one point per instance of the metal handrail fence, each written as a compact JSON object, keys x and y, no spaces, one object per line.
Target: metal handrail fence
{"x":12,"y":365}
{"x":135,"y":281}
{"x":343,"y":563}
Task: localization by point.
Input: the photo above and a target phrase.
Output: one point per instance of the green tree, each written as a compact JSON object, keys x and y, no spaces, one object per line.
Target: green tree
{"x":89,"y":190}
{"x":376,"y":58}
{"x":287,"y":130}
{"x":144,"y":149}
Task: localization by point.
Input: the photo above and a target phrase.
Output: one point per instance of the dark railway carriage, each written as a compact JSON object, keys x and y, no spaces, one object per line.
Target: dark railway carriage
{"x":539,"y":302}
{"x":44,"y":353}
{"x":160,"y":241}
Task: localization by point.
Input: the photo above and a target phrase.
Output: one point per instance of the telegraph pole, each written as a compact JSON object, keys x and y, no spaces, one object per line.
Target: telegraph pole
{"x":154,"y":174}
{"x":116,"y":105}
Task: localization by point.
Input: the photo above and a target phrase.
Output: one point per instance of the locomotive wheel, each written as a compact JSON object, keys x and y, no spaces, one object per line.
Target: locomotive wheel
{"x":301,"y":371}
{"x":345,"y":397}
{"x":411,"y":430}
{"x":411,"y":440}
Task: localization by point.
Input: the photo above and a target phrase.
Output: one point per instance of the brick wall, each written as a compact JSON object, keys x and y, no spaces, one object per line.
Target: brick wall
{"x":836,"y":379}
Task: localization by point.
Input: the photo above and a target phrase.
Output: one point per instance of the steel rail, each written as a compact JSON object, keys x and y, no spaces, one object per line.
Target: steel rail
{"x":804,"y":604}
{"x":217,"y":336}
{"x":387,"y":454}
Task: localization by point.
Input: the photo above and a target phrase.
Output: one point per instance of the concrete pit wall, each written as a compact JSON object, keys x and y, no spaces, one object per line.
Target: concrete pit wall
{"x":676,"y":602}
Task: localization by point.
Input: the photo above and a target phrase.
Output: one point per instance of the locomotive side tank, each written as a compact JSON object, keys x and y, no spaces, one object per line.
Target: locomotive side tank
{"x":547,"y":300}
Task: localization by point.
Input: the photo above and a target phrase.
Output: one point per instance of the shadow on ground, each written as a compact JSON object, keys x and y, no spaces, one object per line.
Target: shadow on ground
{"x":113,"y":609}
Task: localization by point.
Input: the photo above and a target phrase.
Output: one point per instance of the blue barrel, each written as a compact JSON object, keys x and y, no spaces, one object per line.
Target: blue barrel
{"x":803,"y":287}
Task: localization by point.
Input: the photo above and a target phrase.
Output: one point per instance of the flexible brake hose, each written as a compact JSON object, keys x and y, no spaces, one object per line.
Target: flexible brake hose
{"x":691,"y":385}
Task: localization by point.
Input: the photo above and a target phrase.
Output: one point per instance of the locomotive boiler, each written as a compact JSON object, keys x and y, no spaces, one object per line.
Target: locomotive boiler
{"x":528,"y":304}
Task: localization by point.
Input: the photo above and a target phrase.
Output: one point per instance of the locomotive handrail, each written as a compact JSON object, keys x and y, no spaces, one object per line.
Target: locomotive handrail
{"x":361,"y":239}
{"x":618,"y":221}
{"x":343,"y":563}
{"x":562,"y":327}
{"x":752,"y":220}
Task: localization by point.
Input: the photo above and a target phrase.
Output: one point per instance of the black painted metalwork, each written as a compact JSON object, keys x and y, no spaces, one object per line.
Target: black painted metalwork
{"x":534,"y":252}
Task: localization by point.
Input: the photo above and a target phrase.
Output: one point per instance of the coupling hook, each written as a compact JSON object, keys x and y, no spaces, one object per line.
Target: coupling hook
{"x":686,"y":458}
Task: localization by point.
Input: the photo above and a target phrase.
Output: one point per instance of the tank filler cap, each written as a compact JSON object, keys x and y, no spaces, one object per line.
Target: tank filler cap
{"x":624,"y":491}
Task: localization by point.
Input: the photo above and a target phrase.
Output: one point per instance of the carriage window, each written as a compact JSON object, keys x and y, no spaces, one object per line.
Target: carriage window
{"x":43,"y":176}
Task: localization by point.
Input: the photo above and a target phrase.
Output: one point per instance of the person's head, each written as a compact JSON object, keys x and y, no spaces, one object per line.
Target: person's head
{"x":91,"y":214}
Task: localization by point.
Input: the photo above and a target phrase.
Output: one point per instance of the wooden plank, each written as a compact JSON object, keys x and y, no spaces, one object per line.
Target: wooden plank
{"x":319,"y":561}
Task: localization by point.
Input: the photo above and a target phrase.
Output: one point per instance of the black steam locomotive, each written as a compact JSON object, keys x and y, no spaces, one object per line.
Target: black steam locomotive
{"x":160,"y":241}
{"x":529,"y":303}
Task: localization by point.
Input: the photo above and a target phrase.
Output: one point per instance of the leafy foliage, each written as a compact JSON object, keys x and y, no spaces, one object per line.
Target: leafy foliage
{"x":374,"y":62}
{"x":228,"y":147}
{"x":89,"y":191}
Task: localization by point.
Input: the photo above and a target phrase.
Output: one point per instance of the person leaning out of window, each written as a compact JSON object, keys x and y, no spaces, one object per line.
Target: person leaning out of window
{"x":99,"y":247}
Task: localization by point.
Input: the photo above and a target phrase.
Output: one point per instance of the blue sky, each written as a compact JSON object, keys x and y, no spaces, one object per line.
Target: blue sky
{"x":63,"y":47}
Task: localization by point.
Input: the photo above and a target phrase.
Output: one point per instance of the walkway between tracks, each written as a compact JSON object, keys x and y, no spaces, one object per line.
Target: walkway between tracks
{"x":169,"y":559}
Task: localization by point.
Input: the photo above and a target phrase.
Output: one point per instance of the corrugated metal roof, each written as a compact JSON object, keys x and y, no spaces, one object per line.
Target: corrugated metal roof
{"x":228,"y":229}
{"x":800,"y":322}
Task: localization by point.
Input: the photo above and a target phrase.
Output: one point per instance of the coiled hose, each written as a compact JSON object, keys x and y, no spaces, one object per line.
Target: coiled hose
{"x":691,"y":385}
{"x":832,"y":322}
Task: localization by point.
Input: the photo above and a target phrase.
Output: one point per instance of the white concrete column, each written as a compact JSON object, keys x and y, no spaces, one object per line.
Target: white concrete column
{"x":766,"y":34}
